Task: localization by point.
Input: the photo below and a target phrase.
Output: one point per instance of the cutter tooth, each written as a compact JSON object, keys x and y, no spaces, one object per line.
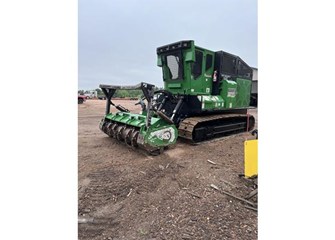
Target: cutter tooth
{"x":126,"y":135}
{"x":108,"y":127}
{"x":133,"y":138}
{"x":119,"y":130}
{"x":104,"y":127}
{"x":102,"y":122}
{"x":113,"y":130}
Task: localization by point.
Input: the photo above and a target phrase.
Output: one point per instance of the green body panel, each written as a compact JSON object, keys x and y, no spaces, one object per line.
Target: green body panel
{"x":174,"y":86}
{"x":243,"y":93}
{"x":132,"y":119}
{"x":228,"y":93}
{"x":211,"y":102}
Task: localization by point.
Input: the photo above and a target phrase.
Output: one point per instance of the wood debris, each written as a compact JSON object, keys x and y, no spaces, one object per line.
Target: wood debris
{"x":215,"y":187}
{"x":231,"y":195}
{"x":211,"y":162}
{"x":251,"y":208}
{"x":129,"y":192}
{"x":228,"y":183}
{"x":252,"y":193}
{"x":194,"y":195}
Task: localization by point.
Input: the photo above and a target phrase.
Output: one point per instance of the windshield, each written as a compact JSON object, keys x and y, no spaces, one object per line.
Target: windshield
{"x":172,"y":66}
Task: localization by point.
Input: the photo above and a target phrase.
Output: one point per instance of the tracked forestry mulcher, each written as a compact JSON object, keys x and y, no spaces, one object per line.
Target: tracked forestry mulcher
{"x":206,"y":95}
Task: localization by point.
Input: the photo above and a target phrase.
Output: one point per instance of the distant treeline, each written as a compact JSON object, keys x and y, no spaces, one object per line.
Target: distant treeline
{"x":121,"y":93}
{"x":128,"y":93}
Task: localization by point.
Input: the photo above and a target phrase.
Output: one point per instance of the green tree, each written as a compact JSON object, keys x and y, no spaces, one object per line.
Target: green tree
{"x":99,"y":91}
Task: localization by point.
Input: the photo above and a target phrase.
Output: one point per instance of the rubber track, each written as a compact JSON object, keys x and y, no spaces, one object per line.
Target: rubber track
{"x":188,"y":125}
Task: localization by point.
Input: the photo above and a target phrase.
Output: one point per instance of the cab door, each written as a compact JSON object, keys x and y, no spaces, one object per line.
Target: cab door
{"x":202,"y":72}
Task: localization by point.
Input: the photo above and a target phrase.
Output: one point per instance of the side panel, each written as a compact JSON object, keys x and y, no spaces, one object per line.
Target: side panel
{"x":211,"y":102}
{"x":228,"y":93}
{"x":243,"y":92}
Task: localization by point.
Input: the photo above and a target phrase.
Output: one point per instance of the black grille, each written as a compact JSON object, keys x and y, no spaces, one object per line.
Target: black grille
{"x":231,"y":65}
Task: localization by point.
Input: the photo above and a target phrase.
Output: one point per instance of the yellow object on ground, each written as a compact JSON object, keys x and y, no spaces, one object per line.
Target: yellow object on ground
{"x":250,"y":158}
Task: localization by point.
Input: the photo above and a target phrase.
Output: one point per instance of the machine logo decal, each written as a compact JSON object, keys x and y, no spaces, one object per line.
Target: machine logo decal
{"x":166,"y":134}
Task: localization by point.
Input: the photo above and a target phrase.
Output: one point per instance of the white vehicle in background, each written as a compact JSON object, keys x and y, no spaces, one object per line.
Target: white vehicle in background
{"x":91,"y":94}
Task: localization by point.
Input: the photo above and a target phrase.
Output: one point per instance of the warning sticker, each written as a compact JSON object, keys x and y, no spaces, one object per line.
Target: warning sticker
{"x":231,"y":92}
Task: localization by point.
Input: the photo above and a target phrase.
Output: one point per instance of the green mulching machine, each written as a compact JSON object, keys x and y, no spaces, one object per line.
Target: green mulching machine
{"x":206,"y":95}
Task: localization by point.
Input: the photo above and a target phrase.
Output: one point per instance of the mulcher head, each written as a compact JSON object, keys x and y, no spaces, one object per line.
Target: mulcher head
{"x":131,"y":129}
{"x":146,"y":130}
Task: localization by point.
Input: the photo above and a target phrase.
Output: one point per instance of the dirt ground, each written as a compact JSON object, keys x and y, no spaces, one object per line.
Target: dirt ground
{"x":127,"y":194}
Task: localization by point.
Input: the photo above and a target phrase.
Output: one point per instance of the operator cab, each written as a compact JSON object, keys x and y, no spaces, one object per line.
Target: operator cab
{"x":187,"y":69}
{"x":192,"y":70}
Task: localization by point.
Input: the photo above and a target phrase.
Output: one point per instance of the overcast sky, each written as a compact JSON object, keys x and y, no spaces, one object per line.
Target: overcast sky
{"x":118,"y":38}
